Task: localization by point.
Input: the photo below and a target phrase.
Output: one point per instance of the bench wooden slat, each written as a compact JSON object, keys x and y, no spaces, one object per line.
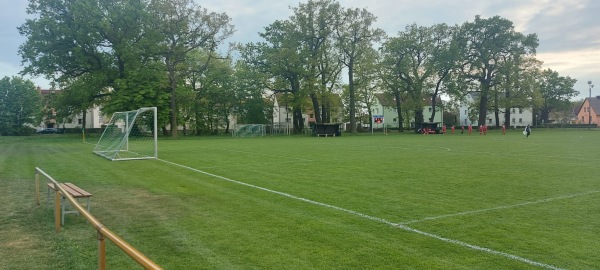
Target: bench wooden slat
{"x":75,"y":191}
{"x":80,"y":192}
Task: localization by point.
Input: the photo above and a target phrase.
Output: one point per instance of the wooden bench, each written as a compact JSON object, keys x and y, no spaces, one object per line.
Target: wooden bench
{"x":75,"y":192}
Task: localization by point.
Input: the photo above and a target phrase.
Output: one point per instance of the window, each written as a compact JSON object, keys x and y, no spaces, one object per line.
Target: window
{"x":429,"y":109}
{"x":513,"y":120}
{"x":80,"y":121}
{"x":490,"y":121}
{"x":520,"y":120}
{"x":466,"y":112}
{"x":521,"y":111}
{"x":513,"y":111}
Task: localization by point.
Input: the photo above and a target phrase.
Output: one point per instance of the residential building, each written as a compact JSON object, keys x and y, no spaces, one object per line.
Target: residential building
{"x":93,"y":116}
{"x":468,"y":114}
{"x":384,"y":107}
{"x":589,"y":112}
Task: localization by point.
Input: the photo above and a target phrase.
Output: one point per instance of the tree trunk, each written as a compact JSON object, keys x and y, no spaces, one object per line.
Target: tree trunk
{"x":316,"y":108}
{"x":433,"y":103}
{"x":483,"y":103}
{"x":399,"y":111}
{"x":352,"y":97}
{"x":298,"y":121}
{"x":173,"y":102}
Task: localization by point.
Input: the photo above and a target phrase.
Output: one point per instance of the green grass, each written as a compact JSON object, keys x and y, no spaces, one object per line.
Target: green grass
{"x":353,"y":202}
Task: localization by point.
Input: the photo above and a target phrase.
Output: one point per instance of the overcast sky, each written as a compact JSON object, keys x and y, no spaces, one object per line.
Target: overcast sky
{"x":568,"y":30}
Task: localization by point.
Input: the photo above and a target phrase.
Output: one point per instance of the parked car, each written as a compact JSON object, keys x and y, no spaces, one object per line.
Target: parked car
{"x":47,"y":131}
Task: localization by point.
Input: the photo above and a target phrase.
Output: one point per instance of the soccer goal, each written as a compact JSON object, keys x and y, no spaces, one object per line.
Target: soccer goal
{"x":130,"y":135}
{"x":249,"y":130}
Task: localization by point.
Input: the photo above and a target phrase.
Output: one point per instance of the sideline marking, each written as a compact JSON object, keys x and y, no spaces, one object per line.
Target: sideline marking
{"x":499,"y":207}
{"x":401,"y":226}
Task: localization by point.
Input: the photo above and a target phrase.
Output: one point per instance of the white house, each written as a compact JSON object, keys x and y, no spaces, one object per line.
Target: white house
{"x":468,"y":114}
{"x":93,"y":116}
{"x":385,"y":107}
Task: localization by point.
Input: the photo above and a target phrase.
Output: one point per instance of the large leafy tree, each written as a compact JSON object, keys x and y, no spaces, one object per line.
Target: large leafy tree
{"x":185,"y":27}
{"x":250,"y":105}
{"x":422,"y":58}
{"x":486,"y":46}
{"x":282,"y":57}
{"x":108,"y":42}
{"x":555,"y":92}
{"x":20,"y":104}
{"x":516,"y":87}
{"x":355,"y":34}
{"x":315,"y":22}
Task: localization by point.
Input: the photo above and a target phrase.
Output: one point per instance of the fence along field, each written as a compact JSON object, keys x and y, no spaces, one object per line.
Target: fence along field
{"x":361,"y":202}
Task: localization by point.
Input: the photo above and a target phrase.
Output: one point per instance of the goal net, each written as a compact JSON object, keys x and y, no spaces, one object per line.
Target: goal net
{"x":249,"y":130}
{"x":130,"y":135}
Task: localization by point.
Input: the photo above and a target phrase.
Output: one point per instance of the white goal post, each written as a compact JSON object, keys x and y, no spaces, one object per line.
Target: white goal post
{"x":130,"y":135}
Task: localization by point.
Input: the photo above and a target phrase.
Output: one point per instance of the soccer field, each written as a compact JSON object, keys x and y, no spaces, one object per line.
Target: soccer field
{"x":353,"y":202}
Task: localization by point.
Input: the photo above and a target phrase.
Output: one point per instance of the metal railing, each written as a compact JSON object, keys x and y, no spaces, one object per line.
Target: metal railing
{"x":103,"y":232}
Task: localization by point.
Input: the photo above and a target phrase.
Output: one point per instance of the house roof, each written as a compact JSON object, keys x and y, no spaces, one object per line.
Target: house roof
{"x":386,"y":99}
{"x":45,"y":92}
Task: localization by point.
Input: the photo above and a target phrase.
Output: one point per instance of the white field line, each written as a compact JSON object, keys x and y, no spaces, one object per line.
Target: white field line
{"x":499,"y":207}
{"x":381,"y":220}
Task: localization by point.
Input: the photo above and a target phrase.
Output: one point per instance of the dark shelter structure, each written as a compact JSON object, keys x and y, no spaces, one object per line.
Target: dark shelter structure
{"x":331,"y":129}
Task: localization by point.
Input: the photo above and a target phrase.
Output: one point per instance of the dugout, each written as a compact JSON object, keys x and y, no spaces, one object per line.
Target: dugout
{"x":329,"y":129}
{"x":435,"y":126}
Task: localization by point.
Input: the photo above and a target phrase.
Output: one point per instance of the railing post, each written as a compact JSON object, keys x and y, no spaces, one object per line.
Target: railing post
{"x":37,"y":188}
{"x":101,"y":252}
{"x":57,"y":210}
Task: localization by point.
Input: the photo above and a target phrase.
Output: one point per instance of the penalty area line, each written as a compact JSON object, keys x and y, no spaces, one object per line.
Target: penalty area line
{"x":372,"y":218}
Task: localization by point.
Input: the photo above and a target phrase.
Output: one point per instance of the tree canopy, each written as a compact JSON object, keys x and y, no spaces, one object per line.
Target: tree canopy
{"x":126,"y":54}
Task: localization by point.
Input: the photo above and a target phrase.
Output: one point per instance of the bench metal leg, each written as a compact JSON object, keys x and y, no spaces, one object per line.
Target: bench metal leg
{"x":62,"y":214}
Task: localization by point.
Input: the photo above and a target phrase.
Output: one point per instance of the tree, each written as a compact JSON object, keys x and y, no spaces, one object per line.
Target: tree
{"x":185,"y":27}
{"x":108,"y":42}
{"x":367,"y":79}
{"x":486,"y":45}
{"x":555,"y":92}
{"x":354,"y":34}
{"x":20,"y":105}
{"x":250,"y":106}
{"x":314,"y":22}
{"x":284,"y":61}
{"x":516,"y":87}
{"x":421,"y":59}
